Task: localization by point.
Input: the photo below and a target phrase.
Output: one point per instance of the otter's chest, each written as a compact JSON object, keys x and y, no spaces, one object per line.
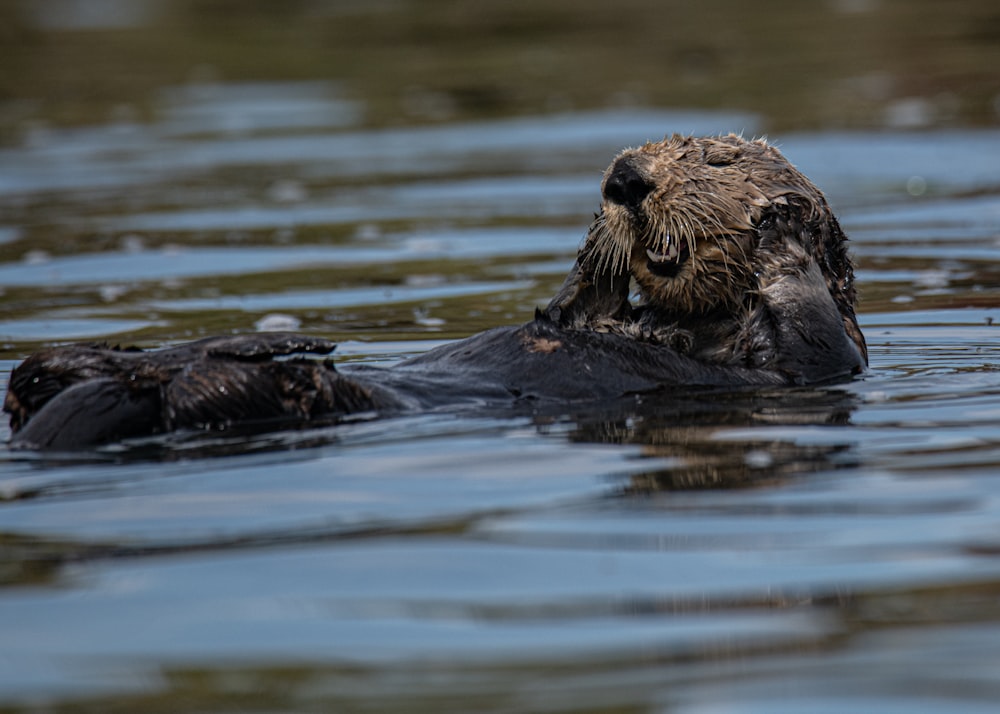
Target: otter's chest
{"x":719,"y":337}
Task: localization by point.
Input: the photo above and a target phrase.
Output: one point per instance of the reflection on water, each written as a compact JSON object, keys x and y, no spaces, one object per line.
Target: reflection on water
{"x":690,"y":432}
{"x":830,"y":549}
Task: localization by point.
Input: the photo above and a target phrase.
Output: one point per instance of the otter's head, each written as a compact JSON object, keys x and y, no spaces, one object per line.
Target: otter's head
{"x":694,"y":220}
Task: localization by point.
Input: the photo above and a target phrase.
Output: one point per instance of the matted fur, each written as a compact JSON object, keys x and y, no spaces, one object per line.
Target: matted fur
{"x":743,"y":214}
{"x":762,"y":294}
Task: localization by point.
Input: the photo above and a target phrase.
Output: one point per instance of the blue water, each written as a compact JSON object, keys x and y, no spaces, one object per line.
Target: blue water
{"x":819,"y":550}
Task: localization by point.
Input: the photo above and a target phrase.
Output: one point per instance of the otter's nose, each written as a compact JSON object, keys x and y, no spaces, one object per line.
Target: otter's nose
{"x":625,"y":186}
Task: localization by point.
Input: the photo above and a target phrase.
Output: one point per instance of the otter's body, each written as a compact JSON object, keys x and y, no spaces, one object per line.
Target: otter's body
{"x":743,"y":275}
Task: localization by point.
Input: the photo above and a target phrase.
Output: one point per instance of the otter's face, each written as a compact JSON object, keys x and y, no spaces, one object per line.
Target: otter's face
{"x":681,"y":214}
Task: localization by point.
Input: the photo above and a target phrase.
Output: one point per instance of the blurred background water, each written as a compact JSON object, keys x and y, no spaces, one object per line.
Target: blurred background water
{"x":397,"y":173}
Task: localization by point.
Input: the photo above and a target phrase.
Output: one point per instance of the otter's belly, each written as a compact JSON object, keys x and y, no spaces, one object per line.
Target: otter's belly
{"x":110,"y":394}
{"x":542,"y":362}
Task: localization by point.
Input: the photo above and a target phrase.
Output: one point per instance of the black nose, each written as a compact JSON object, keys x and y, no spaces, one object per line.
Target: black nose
{"x":625,"y":186}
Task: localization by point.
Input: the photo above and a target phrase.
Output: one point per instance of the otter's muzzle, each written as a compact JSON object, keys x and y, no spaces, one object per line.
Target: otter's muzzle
{"x":625,"y":186}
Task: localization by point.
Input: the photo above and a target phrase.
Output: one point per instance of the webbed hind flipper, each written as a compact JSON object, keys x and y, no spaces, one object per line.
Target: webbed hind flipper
{"x":94,"y":412}
{"x":262,"y":345}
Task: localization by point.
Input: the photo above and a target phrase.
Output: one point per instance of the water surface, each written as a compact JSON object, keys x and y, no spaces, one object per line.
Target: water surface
{"x":825,"y":549}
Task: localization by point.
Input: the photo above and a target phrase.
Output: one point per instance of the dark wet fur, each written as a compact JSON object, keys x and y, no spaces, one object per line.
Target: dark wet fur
{"x":777,"y":309}
{"x":763,"y":279}
{"x":79,"y":395}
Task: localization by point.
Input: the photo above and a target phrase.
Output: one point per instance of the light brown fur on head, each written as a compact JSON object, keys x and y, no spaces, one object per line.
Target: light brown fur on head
{"x":692,"y":220}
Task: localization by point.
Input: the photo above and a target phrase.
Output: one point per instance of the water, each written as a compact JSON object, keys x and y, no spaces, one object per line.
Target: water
{"x":824,"y":550}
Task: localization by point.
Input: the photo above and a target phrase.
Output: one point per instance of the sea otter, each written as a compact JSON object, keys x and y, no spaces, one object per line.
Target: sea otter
{"x":743,"y":279}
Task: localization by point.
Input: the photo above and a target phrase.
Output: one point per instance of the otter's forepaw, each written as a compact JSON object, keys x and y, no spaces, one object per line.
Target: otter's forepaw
{"x":680,"y":341}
